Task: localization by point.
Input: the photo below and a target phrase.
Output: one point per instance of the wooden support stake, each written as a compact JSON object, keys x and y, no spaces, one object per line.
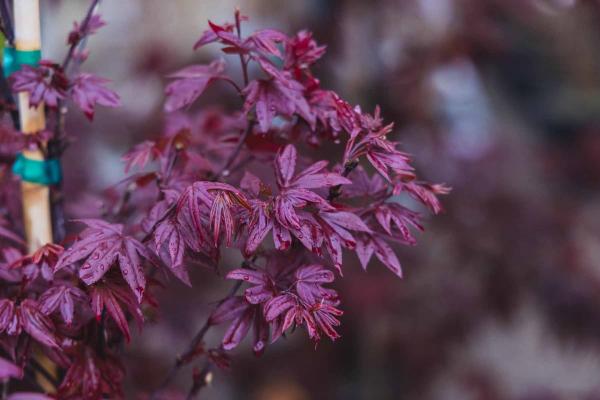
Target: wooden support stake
{"x":36,"y":198}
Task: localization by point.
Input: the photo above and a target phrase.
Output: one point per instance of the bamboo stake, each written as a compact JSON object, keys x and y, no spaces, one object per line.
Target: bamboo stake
{"x":36,"y":197}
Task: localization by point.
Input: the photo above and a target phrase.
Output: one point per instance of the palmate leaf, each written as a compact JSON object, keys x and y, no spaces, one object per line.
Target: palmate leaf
{"x":63,"y":298}
{"x":190,"y":82}
{"x":9,"y":370}
{"x":103,"y":245}
{"x":114,"y":298}
{"x":89,"y":90}
{"x":45,"y":83}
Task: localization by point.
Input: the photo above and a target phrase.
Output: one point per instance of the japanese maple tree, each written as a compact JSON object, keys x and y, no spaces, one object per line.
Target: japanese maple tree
{"x":247,"y":184}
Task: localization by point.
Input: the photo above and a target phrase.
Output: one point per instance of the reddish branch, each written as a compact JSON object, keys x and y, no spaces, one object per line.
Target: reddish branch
{"x":192,"y":350}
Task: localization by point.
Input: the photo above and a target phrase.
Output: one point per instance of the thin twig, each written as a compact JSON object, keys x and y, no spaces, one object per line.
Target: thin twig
{"x":5,"y":389}
{"x":236,"y":152}
{"x":200,"y":381}
{"x":166,"y":215}
{"x":57,"y":145}
{"x":248,"y":130}
{"x":192,"y":347}
{"x":244,"y":61}
{"x":84,"y":25}
{"x":336,"y":191}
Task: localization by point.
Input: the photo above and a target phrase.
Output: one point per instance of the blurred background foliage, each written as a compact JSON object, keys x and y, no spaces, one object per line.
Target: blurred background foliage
{"x":498,"y":98}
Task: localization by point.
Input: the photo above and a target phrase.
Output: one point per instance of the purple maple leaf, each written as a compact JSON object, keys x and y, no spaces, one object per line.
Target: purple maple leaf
{"x":83,"y":29}
{"x":289,"y":309}
{"x":287,"y":217}
{"x":302,"y":51}
{"x":363,"y":185}
{"x":218,"y":199}
{"x":367,"y":245}
{"x":275,"y":97}
{"x":92,"y":376}
{"x":9,"y":318}
{"x":309,"y":281}
{"x":336,"y":226}
{"x":216,"y":33}
{"x":266,"y":41}
{"x":190,"y":82}
{"x":392,"y":214}
{"x":28,"y":396}
{"x":26,"y":317}
{"x":171,"y":235}
{"x":140,"y":155}
{"x":425,"y":192}
{"x":102,"y":245}
{"x":9,"y":370}
{"x":243,"y":315}
{"x":88,"y":90}
{"x":259,"y":225}
{"x":36,"y":324}
{"x":312,"y":177}
{"x":295,"y":194}
{"x":63,"y":298}
{"x":45,"y":83}
{"x":112,"y":298}
{"x":8,"y":234}
{"x":264,"y":286}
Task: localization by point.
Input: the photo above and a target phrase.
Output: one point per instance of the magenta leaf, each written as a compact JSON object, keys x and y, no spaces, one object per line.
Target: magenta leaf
{"x":81,"y":30}
{"x":88,"y":90}
{"x":45,"y":83}
{"x":189,"y":83}
{"x":238,"y":329}
{"x":270,"y":98}
{"x":264,"y":287}
{"x":259,"y":226}
{"x":113,"y":298}
{"x":427,"y":193}
{"x":364,"y":249}
{"x":386,"y":255}
{"x":102,"y":245}
{"x":9,"y":370}
{"x":228,"y":310}
{"x":28,"y":396}
{"x":285,"y":164}
{"x":140,"y":155}
{"x":63,"y":298}
{"x":36,"y":324}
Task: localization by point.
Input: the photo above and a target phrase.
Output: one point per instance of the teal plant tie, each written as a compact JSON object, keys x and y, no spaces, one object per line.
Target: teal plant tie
{"x":13,"y":59}
{"x":9,"y":60}
{"x":45,"y":172}
{"x":29,"y":57}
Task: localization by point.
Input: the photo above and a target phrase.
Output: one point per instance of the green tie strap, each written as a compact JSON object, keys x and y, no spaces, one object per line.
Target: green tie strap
{"x":9,"y":62}
{"x":45,"y":172}
{"x":13,"y":59}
